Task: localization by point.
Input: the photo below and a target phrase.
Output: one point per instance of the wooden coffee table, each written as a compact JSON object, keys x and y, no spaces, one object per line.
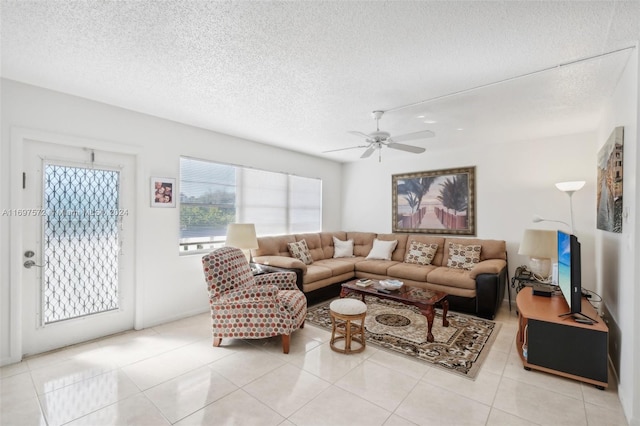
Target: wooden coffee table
{"x":422,"y":298}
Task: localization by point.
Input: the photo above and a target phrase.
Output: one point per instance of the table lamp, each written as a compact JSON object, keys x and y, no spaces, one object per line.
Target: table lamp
{"x":541,"y":246}
{"x":242,"y":236}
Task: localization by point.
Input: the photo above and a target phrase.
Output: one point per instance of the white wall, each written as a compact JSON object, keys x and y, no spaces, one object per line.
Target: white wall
{"x":619,"y":270}
{"x":177,"y":289}
{"x":514,"y":181}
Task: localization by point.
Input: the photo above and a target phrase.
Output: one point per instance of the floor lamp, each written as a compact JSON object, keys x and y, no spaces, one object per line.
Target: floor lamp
{"x":569,"y":188}
{"x":537,"y":219}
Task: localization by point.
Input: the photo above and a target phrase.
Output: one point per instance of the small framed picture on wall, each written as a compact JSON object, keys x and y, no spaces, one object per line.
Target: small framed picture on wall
{"x":163,"y":192}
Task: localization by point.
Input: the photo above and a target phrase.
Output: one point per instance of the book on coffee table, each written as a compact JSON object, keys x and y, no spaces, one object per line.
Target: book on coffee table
{"x":364,"y":283}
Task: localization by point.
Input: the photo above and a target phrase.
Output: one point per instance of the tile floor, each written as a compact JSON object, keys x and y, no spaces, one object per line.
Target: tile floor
{"x":171,"y":374}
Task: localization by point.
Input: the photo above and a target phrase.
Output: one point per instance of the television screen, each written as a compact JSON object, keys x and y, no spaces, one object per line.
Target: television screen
{"x":569,"y":271}
{"x":564,"y":265}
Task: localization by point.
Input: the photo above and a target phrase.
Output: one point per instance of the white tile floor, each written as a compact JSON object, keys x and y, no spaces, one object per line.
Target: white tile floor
{"x":171,"y":374}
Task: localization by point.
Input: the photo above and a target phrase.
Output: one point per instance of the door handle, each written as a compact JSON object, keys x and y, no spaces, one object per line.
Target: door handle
{"x":30,"y":263}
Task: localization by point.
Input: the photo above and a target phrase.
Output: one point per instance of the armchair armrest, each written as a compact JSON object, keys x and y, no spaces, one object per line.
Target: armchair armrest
{"x":248,"y":294}
{"x":489,"y":266}
{"x":283,"y":280}
{"x":281,"y":262}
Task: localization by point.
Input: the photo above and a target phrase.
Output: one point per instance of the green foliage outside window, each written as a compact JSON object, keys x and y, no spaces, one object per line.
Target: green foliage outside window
{"x":203,"y":215}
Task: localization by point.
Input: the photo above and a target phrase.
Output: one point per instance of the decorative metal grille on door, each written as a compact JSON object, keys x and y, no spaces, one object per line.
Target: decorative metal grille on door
{"x":81,"y":242}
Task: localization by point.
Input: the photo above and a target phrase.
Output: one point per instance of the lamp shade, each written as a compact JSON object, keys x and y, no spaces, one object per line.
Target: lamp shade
{"x":541,"y":246}
{"x":539,"y":243}
{"x":242,"y":236}
{"x":571,"y":186}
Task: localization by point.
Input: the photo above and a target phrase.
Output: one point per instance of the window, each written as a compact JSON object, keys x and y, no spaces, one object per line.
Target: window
{"x":212,"y":195}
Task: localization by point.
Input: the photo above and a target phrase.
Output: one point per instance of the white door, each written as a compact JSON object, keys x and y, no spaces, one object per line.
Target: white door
{"x":77,"y":231}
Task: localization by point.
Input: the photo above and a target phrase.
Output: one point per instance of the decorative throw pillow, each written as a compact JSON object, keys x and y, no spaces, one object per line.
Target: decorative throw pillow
{"x":463,"y":257}
{"x":300,"y":250}
{"x":342,"y":248}
{"x":420,"y":253}
{"x":382,"y":249}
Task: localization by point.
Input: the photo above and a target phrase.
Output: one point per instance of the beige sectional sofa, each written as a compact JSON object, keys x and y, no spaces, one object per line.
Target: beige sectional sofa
{"x":479,"y":290}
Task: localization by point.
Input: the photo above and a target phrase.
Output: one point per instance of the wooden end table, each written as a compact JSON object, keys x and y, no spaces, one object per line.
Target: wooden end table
{"x":421,"y":298}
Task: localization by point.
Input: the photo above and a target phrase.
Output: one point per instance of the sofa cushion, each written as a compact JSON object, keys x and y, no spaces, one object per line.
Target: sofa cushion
{"x":420,"y":253}
{"x":362,"y":242}
{"x":382,"y":249}
{"x":274,"y":246}
{"x":378,"y":267}
{"x":299,"y":250}
{"x":314,"y":243}
{"x":337,"y":266}
{"x":463,"y":257}
{"x":326,"y":239}
{"x":407,"y":271}
{"x":452,"y":277}
{"x":316,"y":272}
{"x":342,"y":248}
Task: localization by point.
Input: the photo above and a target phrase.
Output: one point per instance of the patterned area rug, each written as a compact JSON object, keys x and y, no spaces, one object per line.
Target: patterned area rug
{"x":459,"y":348}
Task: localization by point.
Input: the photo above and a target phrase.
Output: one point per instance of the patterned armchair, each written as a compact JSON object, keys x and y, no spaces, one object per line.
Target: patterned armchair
{"x":248,"y":307}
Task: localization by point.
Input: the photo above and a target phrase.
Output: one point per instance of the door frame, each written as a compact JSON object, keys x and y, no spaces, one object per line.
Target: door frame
{"x":18,"y":137}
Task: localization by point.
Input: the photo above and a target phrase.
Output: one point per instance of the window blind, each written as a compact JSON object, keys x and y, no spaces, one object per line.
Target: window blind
{"x":212,"y":195}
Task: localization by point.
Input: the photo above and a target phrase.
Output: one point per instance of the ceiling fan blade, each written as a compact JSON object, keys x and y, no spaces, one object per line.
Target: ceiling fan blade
{"x":343,"y":149}
{"x":362,"y":135}
{"x":408,"y":148}
{"x":368,"y":152}
{"x":417,"y":135}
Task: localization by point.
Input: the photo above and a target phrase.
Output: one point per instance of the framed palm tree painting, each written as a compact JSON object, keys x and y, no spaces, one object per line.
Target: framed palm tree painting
{"x":435,"y":202}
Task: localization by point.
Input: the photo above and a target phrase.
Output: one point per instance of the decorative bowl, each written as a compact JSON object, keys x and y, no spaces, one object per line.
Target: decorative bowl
{"x":391,"y":284}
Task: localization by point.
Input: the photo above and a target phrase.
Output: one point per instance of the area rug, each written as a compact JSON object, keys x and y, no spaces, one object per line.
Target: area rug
{"x":460,"y":348}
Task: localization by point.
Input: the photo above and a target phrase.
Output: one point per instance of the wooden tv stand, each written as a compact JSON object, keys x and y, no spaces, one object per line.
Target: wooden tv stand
{"x":560,"y":345}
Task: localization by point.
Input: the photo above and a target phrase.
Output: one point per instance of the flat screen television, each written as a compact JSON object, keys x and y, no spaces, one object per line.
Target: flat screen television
{"x":569,"y":275}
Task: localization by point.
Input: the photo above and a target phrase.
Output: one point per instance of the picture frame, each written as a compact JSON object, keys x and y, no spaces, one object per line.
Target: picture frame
{"x":435,"y":202}
{"x":163,"y":192}
{"x":609,"y":185}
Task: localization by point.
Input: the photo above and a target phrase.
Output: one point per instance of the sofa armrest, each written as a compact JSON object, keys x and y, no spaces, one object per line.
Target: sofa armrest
{"x":489,"y":266}
{"x":490,"y":293}
{"x":281,"y":262}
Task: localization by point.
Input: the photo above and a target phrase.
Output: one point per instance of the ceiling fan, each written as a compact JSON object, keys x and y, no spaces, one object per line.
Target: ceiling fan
{"x":378,"y":139}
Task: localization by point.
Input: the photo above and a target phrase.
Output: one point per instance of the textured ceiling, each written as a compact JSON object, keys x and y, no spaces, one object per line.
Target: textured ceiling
{"x":301,"y":74}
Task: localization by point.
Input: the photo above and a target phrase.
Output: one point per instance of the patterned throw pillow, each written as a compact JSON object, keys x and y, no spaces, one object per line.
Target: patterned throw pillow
{"x":463,"y":257}
{"x":300,"y":250}
{"x":420,"y":253}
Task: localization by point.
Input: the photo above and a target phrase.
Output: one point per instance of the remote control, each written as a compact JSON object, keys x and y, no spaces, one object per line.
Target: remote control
{"x":384,"y":290}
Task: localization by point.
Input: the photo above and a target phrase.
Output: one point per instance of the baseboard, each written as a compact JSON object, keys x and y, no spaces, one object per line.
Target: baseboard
{"x":177,"y":317}
{"x":8,"y":361}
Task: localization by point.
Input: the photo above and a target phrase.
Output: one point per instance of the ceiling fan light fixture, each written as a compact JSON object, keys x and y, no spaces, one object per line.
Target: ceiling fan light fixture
{"x":377,"y":115}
